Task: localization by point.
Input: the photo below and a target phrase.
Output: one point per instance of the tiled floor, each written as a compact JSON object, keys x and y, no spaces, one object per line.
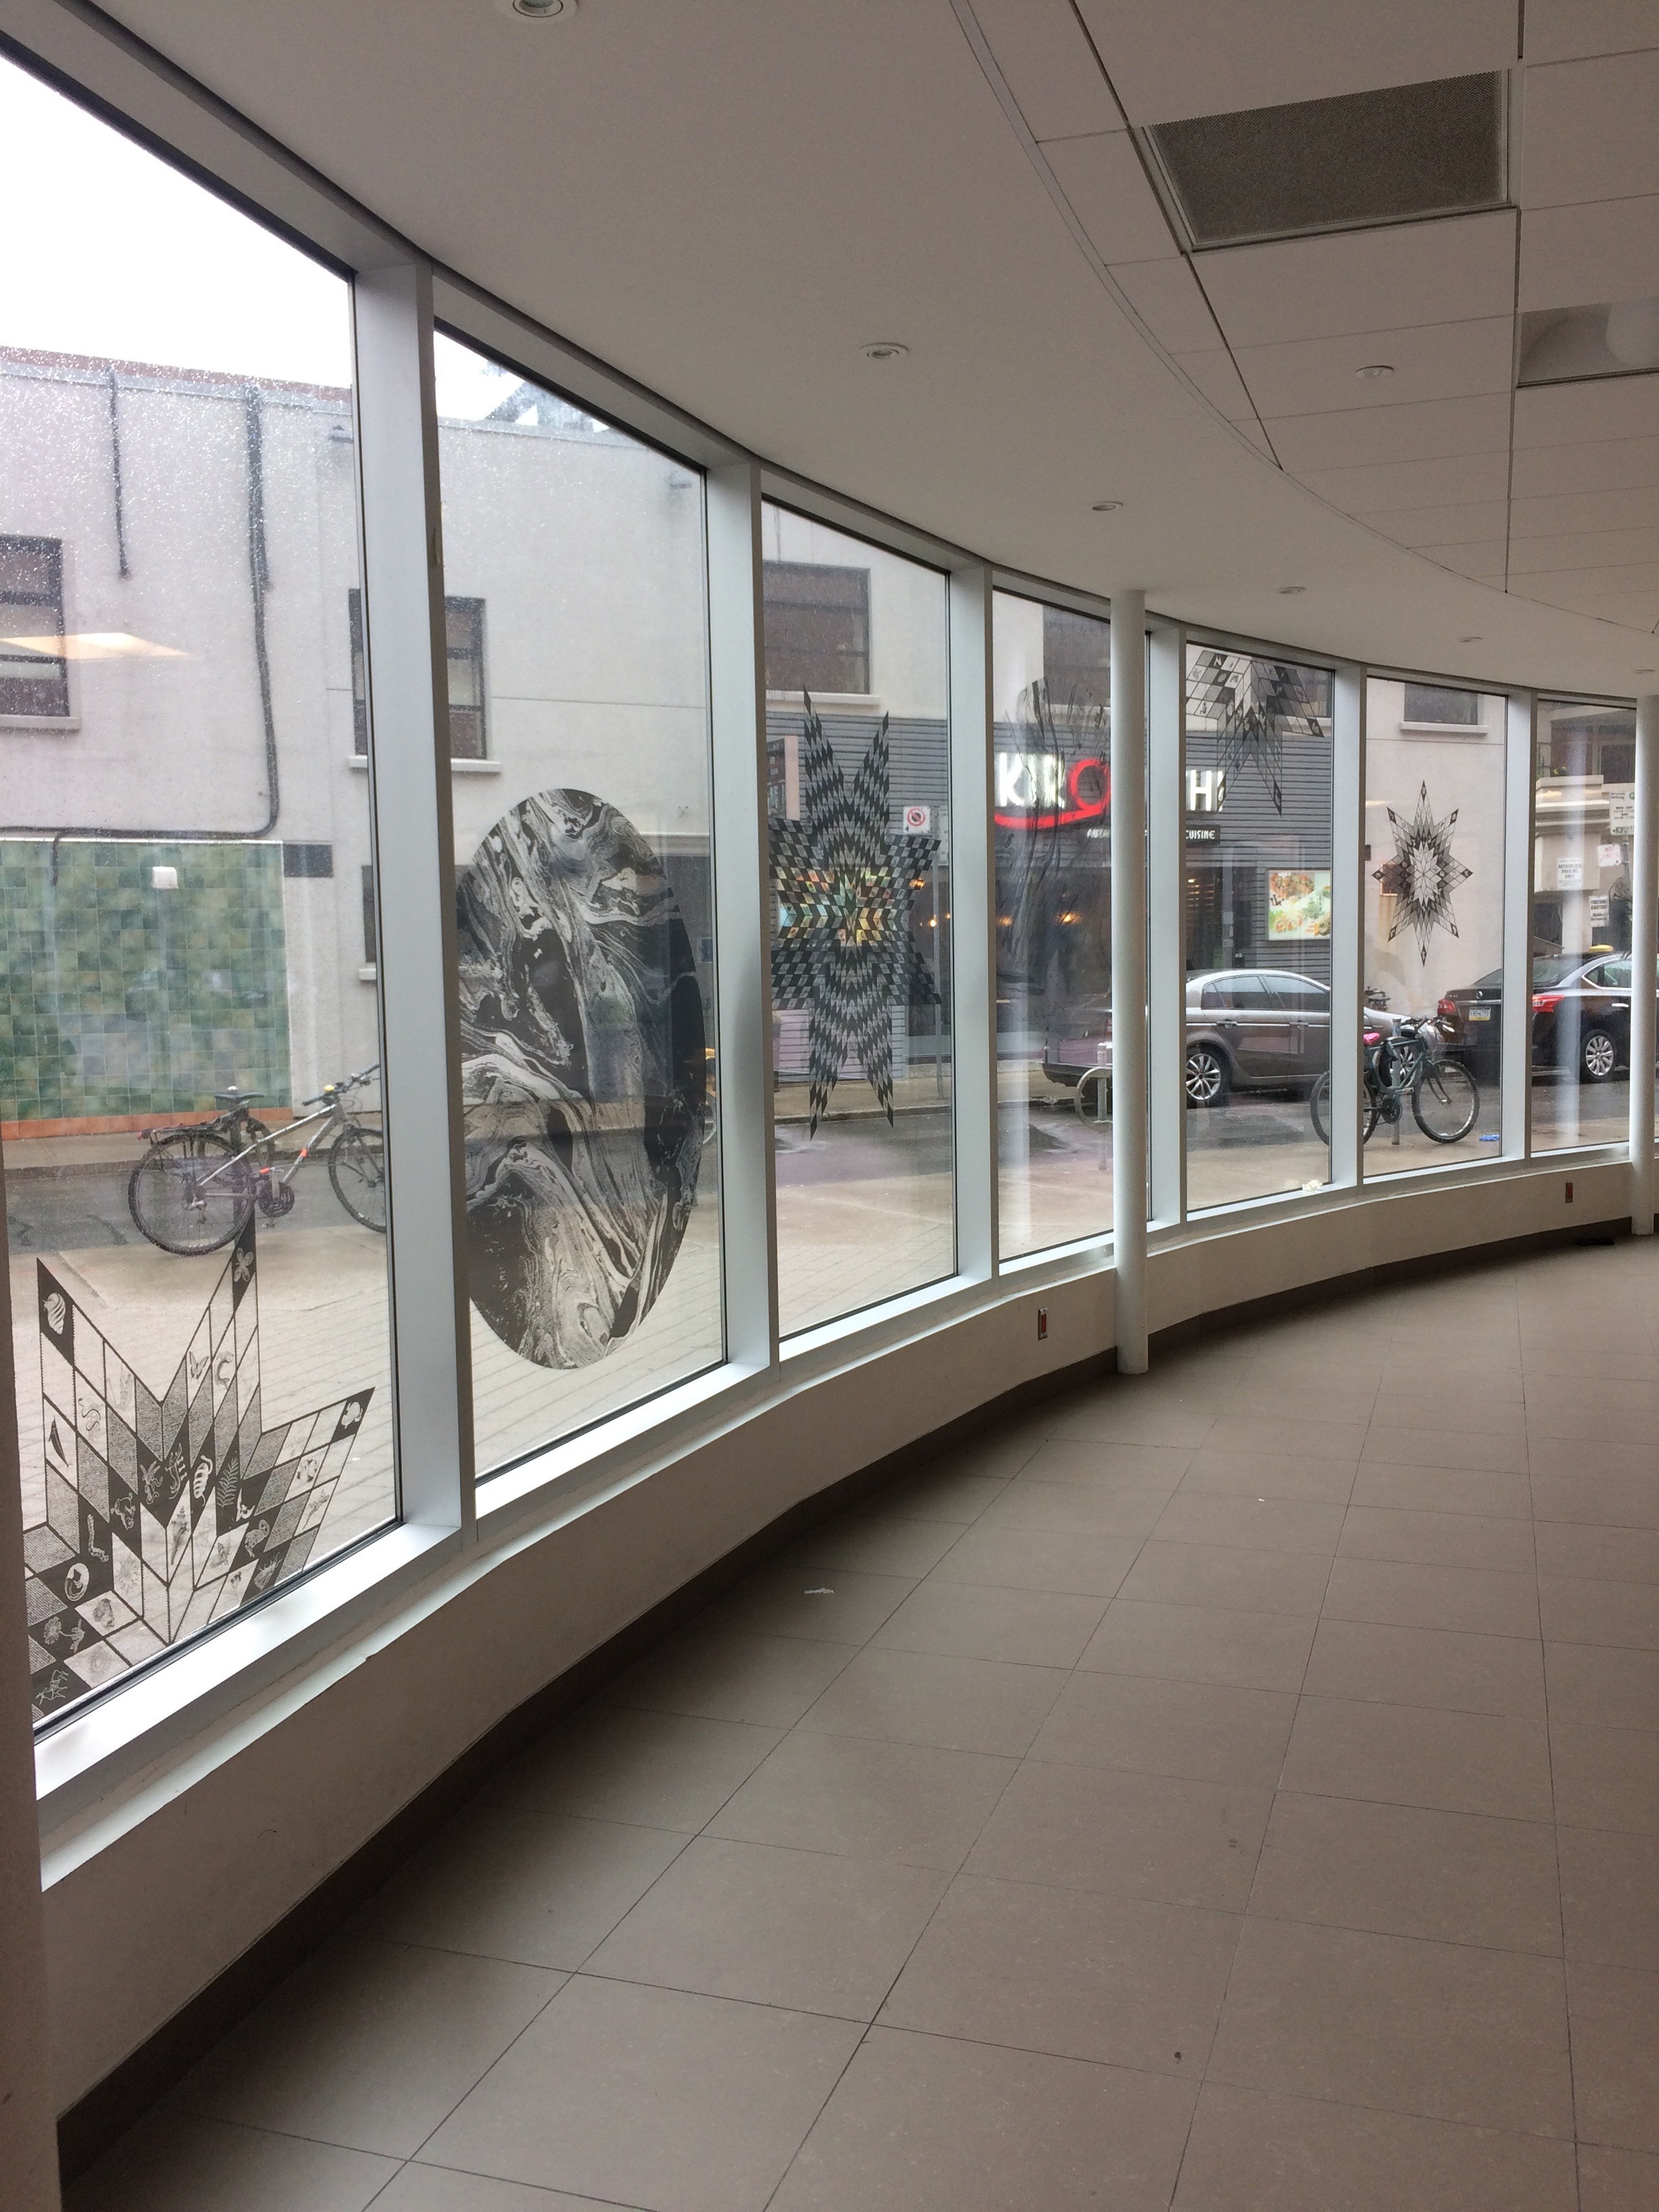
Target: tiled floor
{"x":1236,"y":1789}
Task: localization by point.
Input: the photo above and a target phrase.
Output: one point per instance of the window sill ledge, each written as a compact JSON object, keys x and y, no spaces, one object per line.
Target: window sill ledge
{"x":41,"y":725}
{"x":1445,"y":730}
{"x":359,"y":762}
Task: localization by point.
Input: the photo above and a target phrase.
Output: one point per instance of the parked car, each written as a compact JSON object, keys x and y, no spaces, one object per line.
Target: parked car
{"x":1580,"y":1016}
{"x":1248,"y":1029}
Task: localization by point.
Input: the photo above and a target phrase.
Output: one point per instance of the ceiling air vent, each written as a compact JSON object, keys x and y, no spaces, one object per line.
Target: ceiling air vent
{"x":1367,"y":157}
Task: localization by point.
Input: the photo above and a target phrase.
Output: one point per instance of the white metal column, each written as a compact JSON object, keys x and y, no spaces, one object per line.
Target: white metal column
{"x":973,"y":924}
{"x":408,"y":683}
{"x":1347,"y":924}
{"x":1129,"y":976}
{"x":742,"y":938}
{"x":1644,"y":962}
{"x":1516,"y":1063}
{"x":1166,"y":916}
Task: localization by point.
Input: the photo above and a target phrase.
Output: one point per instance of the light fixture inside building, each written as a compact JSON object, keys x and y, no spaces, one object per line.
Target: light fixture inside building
{"x":885,"y":349}
{"x":542,"y":11}
{"x":1106,"y":507}
{"x":1474,"y":638}
{"x":1291,"y":591}
{"x":1633,"y":333}
{"x":1373,"y":369}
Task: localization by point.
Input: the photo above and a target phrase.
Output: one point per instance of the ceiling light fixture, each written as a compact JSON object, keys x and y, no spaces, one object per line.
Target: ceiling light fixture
{"x":1291,"y":591}
{"x":543,"y":11}
{"x":1374,"y":369}
{"x":1106,"y":507}
{"x":885,"y":349}
{"x":1642,"y":671}
{"x":1474,"y":638}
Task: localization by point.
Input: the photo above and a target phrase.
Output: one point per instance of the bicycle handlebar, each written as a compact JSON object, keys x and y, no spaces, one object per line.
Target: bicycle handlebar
{"x":346,"y":1082}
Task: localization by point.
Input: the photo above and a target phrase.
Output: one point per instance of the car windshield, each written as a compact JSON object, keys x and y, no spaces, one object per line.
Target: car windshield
{"x":1555,"y":969}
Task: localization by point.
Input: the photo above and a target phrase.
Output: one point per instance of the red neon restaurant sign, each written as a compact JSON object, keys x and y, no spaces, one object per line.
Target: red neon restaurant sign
{"x":1039,"y":791}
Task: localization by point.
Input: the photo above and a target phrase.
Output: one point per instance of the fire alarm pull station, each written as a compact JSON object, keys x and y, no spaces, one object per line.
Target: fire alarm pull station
{"x":1042,"y":1323}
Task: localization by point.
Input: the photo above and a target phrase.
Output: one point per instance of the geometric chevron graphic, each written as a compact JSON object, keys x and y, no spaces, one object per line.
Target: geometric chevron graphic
{"x":1423,"y":873}
{"x":844,"y":949}
{"x":1255,"y":705}
{"x":165,"y":1514}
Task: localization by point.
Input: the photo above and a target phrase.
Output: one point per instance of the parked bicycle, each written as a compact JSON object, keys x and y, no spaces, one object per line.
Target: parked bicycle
{"x":1410,"y":1066}
{"x":196,"y":1188}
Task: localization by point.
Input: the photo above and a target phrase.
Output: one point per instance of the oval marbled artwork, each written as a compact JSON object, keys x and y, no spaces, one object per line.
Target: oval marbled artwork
{"x":583,"y":1077}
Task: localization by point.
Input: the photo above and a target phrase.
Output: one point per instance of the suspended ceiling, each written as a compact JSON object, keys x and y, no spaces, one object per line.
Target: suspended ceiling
{"x":728,"y":200}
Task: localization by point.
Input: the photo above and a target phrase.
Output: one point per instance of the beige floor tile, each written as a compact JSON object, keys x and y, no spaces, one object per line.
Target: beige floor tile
{"x":1268,"y":1392}
{"x":1404,"y":1870}
{"x":532,"y":1887}
{"x":1443,"y":1668}
{"x":998,"y":1557}
{"x":1201,"y":1643}
{"x":1615,"y":2054}
{"x":1610,"y":1896}
{"x":940,"y":1492}
{"x":867,"y":1799}
{"x":1198,"y":1730}
{"x":1460,"y":1450}
{"x":1609,"y":1499}
{"x":1436,"y":1540}
{"x":420,"y":2188}
{"x":1282,"y":1433}
{"x":1116,"y":1417}
{"x":1251,"y":2153}
{"x":923,"y":2124}
{"x":830,"y":1605}
{"x":1616,"y":2180}
{"x":1465,"y":1412}
{"x":1606,"y":1778}
{"x":661,"y":1770}
{"x":1484,"y":1601}
{"x":924,"y":1697}
{"x":1445,"y":2030}
{"x":1625,"y":1555}
{"x":1119,"y":1979}
{"x":1143,"y":1466}
{"x":1408,"y":1755}
{"x":1228,"y":1575}
{"x":808,"y":1930}
{"x":368,"y":2045}
{"x":1125,"y":1512}
{"x":1411,"y":1379}
{"x":646,"y":2096}
{"x":1258,"y":1524}
{"x":878,"y":1541}
{"x":1135,"y":1835}
{"x":1032,"y":1628}
{"x":1599,"y":1686}
{"x":767,"y":1680}
{"x":169,"y":2165}
{"x":1575,"y":1610}
{"x":1442,"y":1489}
{"x":1220,"y":1471}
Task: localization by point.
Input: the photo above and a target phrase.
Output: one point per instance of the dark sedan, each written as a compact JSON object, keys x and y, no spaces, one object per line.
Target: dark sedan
{"x":1580,"y":1016}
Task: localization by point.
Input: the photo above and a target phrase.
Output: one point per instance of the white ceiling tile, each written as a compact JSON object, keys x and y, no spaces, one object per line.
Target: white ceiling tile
{"x":1450,"y":270}
{"x":1623,"y":506}
{"x":1431,"y":430}
{"x":1567,"y":30}
{"x":1615,"y":465}
{"x":1441,"y":525}
{"x":1604,"y":407}
{"x":1167,"y":297}
{"x":1576,"y":256}
{"x":1615,"y":594}
{"x":1483,"y":559}
{"x":1588,"y":133}
{"x":1452,"y":480}
{"x":1213,"y":57}
{"x":1253,"y":432}
{"x":1049,"y":65}
{"x":1446,"y":361}
{"x":1102,"y":178}
{"x":1213,"y":371}
{"x":1586,"y":548}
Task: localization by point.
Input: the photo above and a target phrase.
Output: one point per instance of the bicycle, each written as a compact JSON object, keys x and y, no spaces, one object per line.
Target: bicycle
{"x":1445,"y":1098}
{"x":196,"y":1188}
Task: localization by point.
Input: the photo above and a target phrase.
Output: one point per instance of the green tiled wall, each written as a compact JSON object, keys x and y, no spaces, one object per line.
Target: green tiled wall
{"x":117,"y":998}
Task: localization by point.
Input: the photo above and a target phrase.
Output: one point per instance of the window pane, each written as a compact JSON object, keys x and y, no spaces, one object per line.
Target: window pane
{"x":585,"y":907}
{"x":1435,"y":702}
{"x":202,"y":1320}
{"x":1584,"y":816}
{"x":861,"y":852}
{"x":1258,"y":873}
{"x":817,"y":627}
{"x":1434,"y":926}
{"x":1052,"y":814}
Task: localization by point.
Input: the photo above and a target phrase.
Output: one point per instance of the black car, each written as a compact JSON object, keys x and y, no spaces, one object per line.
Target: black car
{"x":1580,"y":1016}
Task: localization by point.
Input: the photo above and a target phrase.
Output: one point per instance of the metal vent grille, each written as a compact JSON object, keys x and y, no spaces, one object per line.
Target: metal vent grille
{"x":1366,"y":157}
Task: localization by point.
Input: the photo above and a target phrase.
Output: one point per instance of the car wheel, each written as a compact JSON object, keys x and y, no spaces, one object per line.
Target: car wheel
{"x":1209,"y":1078}
{"x":1598,"y":1055}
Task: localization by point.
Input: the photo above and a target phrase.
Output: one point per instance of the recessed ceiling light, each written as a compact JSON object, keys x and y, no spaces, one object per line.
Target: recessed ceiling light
{"x":885,"y":349}
{"x":1291,"y":591}
{"x":1474,"y":638}
{"x":1643,"y":671}
{"x":1374,"y":369}
{"x":1106,"y":507}
{"x":542,"y":11}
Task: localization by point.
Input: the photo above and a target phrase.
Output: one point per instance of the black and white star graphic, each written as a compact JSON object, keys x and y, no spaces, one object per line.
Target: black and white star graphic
{"x":1423,"y":873}
{"x":1255,"y":705}
{"x":843,"y":882}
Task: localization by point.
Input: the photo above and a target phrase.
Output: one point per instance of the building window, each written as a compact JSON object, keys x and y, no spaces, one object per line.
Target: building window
{"x":313,"y":860}
{"x":1077,"y":659}
{"x":464,"y":624}
{"x":371,"y":938}
{"x":817,"y":627}
{"x":33,"y":675}
{"x":1436,"y":702}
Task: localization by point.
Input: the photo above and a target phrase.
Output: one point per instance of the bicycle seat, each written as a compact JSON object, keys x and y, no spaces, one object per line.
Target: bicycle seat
{"x":233,"y":1096}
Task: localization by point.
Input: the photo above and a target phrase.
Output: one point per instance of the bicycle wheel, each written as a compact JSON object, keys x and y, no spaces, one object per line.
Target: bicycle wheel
{"x":1319,"y":1107}
{"x":356,"y":1168}
{"x":191,"y":1192}
{"x":1445,"y":1100}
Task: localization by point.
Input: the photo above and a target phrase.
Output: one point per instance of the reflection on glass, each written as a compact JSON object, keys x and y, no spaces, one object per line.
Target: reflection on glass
{"x":1258,"y":879}
{"x":1584,"y":816}
{"x":857,"y":706}
{"x":1052,"y":808}
{"x":1434,"y":924}
{"x":196,"y":1198}
{"x":576,"y":632}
